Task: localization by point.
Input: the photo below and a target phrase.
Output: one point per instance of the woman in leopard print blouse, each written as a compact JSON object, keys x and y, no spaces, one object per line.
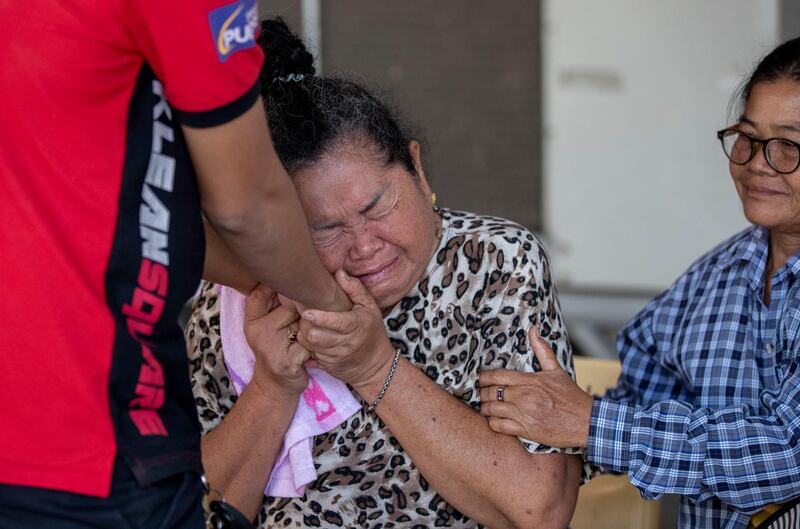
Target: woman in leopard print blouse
{"x":453,"y":292}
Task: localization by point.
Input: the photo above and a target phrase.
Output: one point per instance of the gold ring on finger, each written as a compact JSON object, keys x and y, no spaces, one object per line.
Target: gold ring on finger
{"x":501,"y":393}
{"x":292,"y":335}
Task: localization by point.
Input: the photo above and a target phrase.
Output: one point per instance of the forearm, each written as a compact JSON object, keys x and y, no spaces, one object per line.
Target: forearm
{"x":249,"y":200}
{"x":724,"y":453}
{"x":487,"y":476}
{"x":222,"y":267}
{"x":238,"y":455}
{"x":274,"y":245}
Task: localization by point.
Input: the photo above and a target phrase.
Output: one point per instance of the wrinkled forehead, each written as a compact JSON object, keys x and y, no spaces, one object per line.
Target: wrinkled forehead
{"x":774,"y":107}
{"x":345,"y":183}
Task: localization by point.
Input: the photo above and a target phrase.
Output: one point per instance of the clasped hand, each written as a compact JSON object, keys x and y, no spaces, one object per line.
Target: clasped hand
{"x":352,"y":346}
{"x":279,"y":369}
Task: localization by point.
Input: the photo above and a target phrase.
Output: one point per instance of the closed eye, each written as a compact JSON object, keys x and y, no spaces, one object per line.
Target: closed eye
{"x":381,"y":213}
{"x":324,"y":236}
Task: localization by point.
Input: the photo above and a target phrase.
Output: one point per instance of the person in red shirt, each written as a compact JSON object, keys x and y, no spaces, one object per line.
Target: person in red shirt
{"x":123,"y":124}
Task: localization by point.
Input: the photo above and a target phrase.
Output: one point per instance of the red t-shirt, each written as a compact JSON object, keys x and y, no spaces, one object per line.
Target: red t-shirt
{"x":100,"y":227}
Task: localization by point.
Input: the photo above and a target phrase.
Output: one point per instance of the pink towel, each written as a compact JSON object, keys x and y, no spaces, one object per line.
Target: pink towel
{"x":324,"y":405}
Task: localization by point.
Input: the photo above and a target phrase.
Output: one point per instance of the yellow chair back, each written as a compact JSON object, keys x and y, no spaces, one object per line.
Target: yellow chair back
{"x":609,"y":501}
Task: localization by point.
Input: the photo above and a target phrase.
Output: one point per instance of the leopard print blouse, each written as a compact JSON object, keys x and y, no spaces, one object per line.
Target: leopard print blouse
{"x":486,"y":284}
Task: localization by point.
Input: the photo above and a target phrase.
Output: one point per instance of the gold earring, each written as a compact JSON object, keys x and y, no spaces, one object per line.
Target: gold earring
{"x":433,"y":198}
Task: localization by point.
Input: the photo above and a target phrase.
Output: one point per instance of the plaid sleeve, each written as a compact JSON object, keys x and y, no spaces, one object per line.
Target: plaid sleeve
{"x":644,"y":379}
{"x":648,"y":428}
{"x":610,"y":434}
{"x":745,"y":460}
{"x":646,"y":376}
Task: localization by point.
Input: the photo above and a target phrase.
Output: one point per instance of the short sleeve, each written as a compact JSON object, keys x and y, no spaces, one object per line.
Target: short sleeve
{"x":532,"y":294}
{"x":523,"y":295}
{"x":527,"y":296}
{"x":203,"y":51}
{"x":213,"y":391}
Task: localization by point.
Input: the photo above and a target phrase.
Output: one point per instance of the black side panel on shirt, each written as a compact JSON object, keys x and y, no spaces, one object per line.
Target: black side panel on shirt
{"x":155,"y":265}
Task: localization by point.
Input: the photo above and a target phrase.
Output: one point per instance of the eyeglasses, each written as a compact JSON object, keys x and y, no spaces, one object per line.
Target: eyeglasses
{"x":781,"y":154}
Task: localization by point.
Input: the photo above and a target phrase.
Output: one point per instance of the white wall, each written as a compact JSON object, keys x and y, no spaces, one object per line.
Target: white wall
{"x":636,"y":185}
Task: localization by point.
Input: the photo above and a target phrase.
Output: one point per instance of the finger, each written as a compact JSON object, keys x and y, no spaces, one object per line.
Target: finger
{"x":258,"y":304}
{"x":489,"y":393}
{"x":303,"y":328}
{"x":543,"y":352}
{"x":503,"y":410}
{"x":310,"y":363}
{"x":290,"y":304}
{"x":299,"y":355}
{"x":507,"y":427}
{"x":264,"y":289}
{"x":354,"y":289}
{"x":282,"y":317}
{"x":318,"y":338}
{"x":340,"y":322}
{"x":503,"y":377}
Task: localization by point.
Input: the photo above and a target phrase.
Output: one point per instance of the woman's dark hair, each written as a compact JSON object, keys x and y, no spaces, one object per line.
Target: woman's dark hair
{"x":308,"y":115}
{"x":781,"y":63}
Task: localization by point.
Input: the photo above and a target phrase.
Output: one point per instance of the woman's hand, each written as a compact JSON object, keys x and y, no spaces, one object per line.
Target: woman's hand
{"x":240,"y":452}
{"x":279,"y":362}
{"x":352,"y":346}
{"x":546,"y":407}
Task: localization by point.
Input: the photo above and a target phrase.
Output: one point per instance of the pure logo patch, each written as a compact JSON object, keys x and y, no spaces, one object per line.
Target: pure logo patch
{"x":233,"y":27}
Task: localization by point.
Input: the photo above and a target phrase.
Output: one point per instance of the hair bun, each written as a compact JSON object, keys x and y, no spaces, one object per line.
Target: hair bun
{"x":285,"y":53}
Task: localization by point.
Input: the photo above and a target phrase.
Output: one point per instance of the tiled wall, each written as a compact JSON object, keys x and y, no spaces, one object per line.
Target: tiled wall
{"x":465,"y":74}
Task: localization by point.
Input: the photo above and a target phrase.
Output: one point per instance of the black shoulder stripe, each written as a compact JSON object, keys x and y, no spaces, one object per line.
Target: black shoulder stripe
{"x":223,"y":114}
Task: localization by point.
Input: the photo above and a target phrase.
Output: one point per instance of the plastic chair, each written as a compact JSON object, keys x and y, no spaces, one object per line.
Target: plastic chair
{"x":609,"y":501}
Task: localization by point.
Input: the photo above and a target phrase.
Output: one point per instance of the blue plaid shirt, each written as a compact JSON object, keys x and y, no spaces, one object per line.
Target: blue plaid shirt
{"x":708,"y":403}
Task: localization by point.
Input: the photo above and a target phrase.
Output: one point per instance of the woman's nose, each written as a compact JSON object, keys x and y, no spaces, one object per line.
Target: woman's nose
{"x":758,"y":163}
{"x":364,"y":243}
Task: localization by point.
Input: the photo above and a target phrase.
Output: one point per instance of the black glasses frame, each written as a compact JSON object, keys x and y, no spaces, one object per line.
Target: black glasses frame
{"x":754,"y":144}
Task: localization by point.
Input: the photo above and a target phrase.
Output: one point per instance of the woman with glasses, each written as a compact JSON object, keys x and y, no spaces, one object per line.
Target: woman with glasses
{"x":708,"y":403}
